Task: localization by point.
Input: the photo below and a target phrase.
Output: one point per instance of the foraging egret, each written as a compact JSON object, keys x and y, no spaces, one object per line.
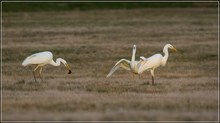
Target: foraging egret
{"x":41,"y":59}
{"x":126,"y":64}
{"x":155,"y":61}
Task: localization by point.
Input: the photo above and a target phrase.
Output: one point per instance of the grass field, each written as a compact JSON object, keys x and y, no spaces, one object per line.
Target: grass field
{"x":92,"y":42}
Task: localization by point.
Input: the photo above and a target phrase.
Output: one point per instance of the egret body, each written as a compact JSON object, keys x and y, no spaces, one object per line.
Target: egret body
{"x":155,"y":61}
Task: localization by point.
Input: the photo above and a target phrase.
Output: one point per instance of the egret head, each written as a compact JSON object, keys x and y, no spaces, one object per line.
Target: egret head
{"x":134,"y":47}
{"x":68,"y":68}
{"x":65,"y":64}
{"x":172,"y":47}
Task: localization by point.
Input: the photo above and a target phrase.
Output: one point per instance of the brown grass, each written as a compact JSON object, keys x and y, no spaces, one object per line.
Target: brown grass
{"x":92,"y":42}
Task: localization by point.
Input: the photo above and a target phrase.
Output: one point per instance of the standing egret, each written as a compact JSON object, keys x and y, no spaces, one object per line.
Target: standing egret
{"x":155,"y":61}
{"x":41,"y":59}
{"x":126,"y":64}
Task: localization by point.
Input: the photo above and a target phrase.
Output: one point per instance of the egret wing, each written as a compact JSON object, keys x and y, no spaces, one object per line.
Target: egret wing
{"x":123,"y":63}
{"x":142,"y":61}
{"x":151,"y":63}
{"x":38,"y":58}
{"x":142,"y":58}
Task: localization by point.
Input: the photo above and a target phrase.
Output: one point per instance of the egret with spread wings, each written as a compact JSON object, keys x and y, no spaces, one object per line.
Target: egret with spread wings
{"x":126,"y":64}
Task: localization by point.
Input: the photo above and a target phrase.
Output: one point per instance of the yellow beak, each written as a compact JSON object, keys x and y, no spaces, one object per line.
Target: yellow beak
{"x":174,"y":49}
{"x":68,"y":68}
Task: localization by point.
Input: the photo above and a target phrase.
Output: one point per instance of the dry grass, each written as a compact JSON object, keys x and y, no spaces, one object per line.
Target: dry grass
{"x":92,"y":41}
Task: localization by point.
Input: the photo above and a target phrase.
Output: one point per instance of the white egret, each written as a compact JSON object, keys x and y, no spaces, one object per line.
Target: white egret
{"x":126,"y":64}
{"x":155,"y":61}
{"x":41,"y":59}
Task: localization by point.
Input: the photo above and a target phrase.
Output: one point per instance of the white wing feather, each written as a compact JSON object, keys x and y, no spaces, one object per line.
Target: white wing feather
{"x":38,"y":58}
{"x":123,"y":63}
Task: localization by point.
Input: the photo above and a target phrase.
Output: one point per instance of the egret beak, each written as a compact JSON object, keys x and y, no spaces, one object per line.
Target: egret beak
{"x":68,"y":68}
{"x":69,"y":72}
{"x":174,"y":49}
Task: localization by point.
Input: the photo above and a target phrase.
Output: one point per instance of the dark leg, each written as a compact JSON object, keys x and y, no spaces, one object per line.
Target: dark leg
{"x":34,"y":72}
{"x":34,"y":76}
{"x":152,"y":80}
{"x":152,"y":74}
{"x":41,"y":74}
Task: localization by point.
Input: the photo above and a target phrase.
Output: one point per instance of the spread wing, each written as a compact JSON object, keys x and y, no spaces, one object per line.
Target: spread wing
{"x":123,"y":63}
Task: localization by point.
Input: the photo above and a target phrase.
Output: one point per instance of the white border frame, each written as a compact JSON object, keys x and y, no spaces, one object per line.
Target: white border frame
{"x":108,"y":2}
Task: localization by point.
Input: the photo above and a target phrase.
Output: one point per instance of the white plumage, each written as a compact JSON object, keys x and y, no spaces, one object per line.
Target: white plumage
{"x":155,"y":61}
{"x":41,"y":59}
{"x":126,"y":64}
{"x":38,"y":58}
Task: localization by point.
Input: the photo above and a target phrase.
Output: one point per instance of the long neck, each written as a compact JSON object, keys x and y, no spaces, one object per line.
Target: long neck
{"x":165,"y":57}
{"x":133,"y":58}
{"x":58,"y":61}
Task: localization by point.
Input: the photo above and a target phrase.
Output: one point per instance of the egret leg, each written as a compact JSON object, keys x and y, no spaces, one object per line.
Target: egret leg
{"x":41,"y":74}
{"x":34,"y":72}
{"x":152,"y":80}
{"x":34,"y":77}
{"x":152,"y":74}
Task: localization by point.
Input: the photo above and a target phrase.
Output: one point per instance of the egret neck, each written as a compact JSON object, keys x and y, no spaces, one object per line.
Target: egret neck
{"x":165,"y":57}
{"x":133,"y":58}
{"x":58,"y":61}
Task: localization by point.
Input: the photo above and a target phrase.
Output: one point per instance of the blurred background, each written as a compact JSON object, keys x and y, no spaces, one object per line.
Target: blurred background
{"x":66,"y":6}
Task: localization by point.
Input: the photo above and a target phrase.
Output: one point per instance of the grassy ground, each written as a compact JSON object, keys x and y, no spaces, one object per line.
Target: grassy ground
{"x":92,"y":42}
